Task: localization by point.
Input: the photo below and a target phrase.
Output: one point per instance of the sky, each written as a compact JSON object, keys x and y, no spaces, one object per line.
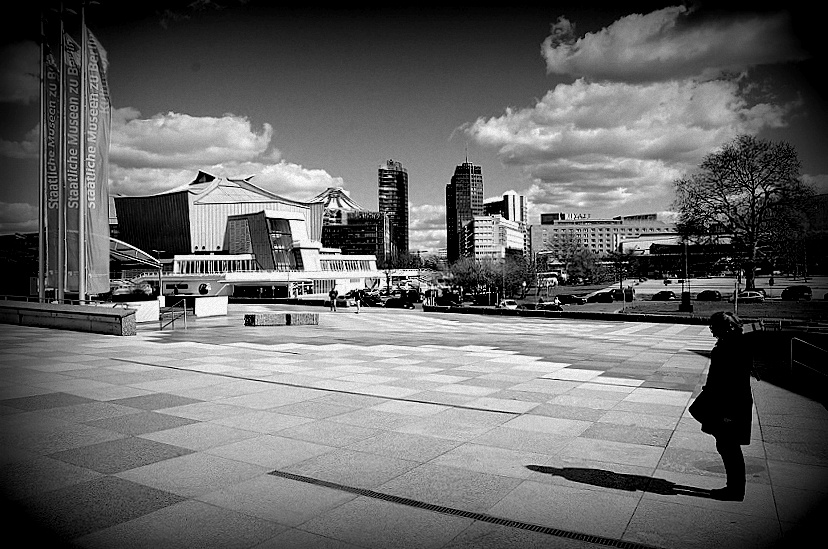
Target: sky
{"x":581,"y":107}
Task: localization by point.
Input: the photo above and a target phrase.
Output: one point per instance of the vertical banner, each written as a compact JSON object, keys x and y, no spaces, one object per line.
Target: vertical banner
{"x":97,"y":125}
{"x":71,"y":154}
{"x":51,"y":136}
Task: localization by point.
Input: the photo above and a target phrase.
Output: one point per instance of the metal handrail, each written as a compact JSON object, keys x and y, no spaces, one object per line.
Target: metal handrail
{"x":174,"y":315}
{"x":803,"y":364}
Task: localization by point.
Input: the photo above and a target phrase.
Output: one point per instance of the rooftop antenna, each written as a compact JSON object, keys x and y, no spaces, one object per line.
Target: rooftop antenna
{"x":467,"y":152}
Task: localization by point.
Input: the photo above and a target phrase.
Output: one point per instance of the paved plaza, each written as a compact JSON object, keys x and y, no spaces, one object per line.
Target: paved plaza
{"x":389,"y":429}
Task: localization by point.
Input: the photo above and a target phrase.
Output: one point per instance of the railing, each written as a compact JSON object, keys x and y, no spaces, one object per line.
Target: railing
{"x":810,"y":353}
{"x":173,"y":313}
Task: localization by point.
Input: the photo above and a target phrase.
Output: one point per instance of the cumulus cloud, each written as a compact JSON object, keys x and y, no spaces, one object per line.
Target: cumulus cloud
{"x":607,"y":144}
{"x":652,"y":95}
{"x":670,"y":43}
{"x":179,"y":140}
{"x":18,"y":217}
{"x":167,"y":150}
{"x":427,"y":227}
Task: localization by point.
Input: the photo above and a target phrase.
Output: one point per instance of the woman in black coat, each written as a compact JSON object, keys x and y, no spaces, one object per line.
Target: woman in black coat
{"x":728,"y":402}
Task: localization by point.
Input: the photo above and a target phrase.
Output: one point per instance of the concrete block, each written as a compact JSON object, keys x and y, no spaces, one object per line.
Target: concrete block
{"x":281,"y":319}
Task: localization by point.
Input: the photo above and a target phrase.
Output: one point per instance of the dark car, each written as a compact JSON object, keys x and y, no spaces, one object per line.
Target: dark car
{"x":664,"y":295}
{"x":709,"y":295}
{"x":796,"y":293}
{"x":448,"y":299}
{"x":571,"y":299}
{"x":398,"y":303}
{"x":130,"y":291}
{"x":369,"y":300}
{"x":601,"y":297}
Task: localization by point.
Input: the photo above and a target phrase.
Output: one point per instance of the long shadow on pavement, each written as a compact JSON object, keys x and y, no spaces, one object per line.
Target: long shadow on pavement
{"x":621,"y":481}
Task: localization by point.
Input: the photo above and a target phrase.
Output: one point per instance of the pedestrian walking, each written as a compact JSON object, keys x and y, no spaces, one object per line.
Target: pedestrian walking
{"x":332,"y":295}
{"x":357,"y":299}
{"x":724,"y":407}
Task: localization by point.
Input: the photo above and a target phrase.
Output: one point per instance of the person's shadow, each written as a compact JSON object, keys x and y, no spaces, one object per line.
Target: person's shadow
{"x":621,"y":481}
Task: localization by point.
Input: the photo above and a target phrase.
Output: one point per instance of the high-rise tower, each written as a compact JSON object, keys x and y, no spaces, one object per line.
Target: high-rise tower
{"x":464,"y":200}
{"x":393,"y":200}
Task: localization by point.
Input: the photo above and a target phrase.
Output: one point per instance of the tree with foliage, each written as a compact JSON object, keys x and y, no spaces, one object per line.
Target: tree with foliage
{"x":749,"y":191}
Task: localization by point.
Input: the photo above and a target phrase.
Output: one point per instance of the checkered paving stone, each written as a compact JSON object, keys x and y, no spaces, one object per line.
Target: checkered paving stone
{"x":203,"y":413}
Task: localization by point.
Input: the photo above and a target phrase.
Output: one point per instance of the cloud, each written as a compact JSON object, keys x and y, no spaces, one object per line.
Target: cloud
{"x":671,"y":43}
{"x":150,"y":155}
{"x":18,"y":217}
{"x":179,"y":140}
{"x":19,"y":78}
{"x":427,"y":227}
{"x":602,"y":145}
{"x":818,"y":182}
{"x":167,"y":150}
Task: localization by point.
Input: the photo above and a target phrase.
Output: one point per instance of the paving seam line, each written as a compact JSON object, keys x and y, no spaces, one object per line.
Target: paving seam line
{"x":482,"y":517}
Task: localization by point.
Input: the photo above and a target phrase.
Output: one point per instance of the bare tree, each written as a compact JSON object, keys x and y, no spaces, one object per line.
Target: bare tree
{"x":749,"y":191}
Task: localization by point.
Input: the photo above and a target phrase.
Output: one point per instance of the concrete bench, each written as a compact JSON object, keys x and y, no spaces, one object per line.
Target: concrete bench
{"x":281,"y":319}
{"x":80,"y":318}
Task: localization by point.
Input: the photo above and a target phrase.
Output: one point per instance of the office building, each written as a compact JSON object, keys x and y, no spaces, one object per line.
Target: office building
{"x":492,"y":237}
{"x":355,"y":231}
{"x":464,"y":200}
{"x":393,"y":200}
{"x":511,"y":206}
{"x":560,"y":231}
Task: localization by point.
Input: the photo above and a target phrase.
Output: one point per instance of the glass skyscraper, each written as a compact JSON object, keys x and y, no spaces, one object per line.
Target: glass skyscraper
{"x":393,"y":201}
{"x":464,"y":200}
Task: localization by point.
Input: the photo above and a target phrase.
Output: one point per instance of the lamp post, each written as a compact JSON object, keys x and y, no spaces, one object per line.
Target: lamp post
{"x":686,"y":305}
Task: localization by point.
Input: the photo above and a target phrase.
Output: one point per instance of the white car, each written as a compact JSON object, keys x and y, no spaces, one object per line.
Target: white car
{"x":507,"y":304}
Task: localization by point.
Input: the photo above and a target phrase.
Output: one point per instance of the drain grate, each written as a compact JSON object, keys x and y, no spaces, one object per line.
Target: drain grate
{"x":482,"y":517}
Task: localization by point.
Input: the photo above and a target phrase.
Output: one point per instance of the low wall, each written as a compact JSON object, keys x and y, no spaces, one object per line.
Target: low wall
{"x":584,"y":315}
{"x":145,"y":311}
{"x":81,"y":318}
{"x":281,"y":319}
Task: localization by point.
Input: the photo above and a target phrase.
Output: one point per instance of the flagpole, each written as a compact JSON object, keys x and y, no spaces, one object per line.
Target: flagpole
{"x":61,"y":232}
{"x":41,"y":206}
{"x":82,"y":175}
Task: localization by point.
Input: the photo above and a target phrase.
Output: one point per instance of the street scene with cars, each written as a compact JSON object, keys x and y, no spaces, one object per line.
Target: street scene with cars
{"x":784,"y":297}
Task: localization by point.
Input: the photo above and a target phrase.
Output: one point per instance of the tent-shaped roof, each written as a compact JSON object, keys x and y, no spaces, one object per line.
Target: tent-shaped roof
{"x":335,"y":198}
{"x":208,"y":189}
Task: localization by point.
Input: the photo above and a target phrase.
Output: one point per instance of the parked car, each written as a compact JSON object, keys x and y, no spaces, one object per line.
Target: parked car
{"x":571,"y":299}
{"x":398,"y":303}
{"x":507,"y":304}
{"x":345,"y":301}
{"x":796,"y":293}
{"x":371,"y":300}
{"x":601,"y":297}
{"x":448,"y":299}
{"x":748,"y":296}
{"x":664,"y":295}
{"x":709,"y":295}
{"x":130,"y":291}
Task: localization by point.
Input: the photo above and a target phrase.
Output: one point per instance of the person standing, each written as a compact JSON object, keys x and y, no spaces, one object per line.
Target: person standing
{"x":332,"y":295}
{"x":725,"y":406}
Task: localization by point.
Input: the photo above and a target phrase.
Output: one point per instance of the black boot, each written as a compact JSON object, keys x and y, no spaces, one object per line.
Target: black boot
{"x":734,"y":463}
